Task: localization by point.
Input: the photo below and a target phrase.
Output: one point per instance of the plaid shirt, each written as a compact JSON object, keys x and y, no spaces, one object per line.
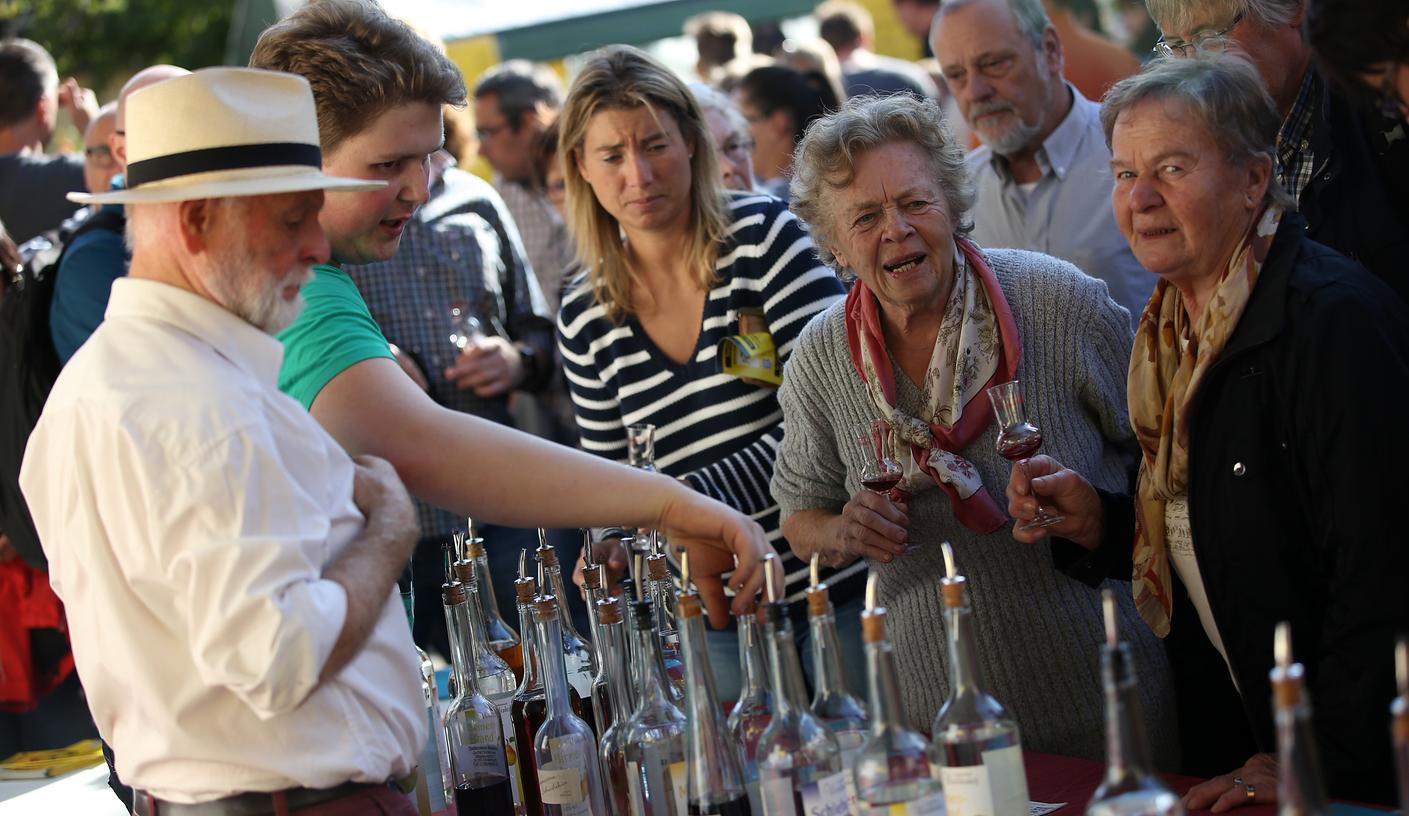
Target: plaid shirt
{"x":460,"y":247}
{"x":1295,"y":162}
{"x":547,"y":245}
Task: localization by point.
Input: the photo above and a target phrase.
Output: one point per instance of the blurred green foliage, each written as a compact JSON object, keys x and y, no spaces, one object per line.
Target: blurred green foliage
{"x":102,"y":42}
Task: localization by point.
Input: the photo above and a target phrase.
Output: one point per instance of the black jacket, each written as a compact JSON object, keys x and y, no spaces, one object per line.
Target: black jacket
{"x":1298,"y":499}
{"x":1357,"y":200}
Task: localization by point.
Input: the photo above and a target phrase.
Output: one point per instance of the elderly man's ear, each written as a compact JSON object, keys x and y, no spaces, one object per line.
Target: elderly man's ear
{"x":196,"y":219}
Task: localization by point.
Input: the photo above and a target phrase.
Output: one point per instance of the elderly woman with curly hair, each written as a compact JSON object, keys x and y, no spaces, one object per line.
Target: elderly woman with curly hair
{"x":932,"y":321}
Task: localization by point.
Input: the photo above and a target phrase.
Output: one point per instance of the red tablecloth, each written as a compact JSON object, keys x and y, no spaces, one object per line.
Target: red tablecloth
{"x":1052,"y":778}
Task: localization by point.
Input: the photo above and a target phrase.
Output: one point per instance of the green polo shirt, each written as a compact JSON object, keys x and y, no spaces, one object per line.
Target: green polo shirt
{"x":333,"y":332}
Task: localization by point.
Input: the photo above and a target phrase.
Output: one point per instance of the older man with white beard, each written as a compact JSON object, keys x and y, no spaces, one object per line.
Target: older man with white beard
{"x":226,"y":568}
{"x":1042,"y":176}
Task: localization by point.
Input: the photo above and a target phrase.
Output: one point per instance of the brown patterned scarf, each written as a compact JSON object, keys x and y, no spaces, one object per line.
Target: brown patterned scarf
{"x":1170,"y":358}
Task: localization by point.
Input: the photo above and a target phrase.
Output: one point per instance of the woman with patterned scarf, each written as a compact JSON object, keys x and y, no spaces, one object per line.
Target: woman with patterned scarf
{"x":1265,"y":389}
{"x":931,"y":322}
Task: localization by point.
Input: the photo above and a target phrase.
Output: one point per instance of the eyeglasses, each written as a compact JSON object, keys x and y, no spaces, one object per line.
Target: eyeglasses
{"x":101,"y":155}
{"x":490,"y":132}
{"x":1211,"y":41}
{"x":736,"y":149}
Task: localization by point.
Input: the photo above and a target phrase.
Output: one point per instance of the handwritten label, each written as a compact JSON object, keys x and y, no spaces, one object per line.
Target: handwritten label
{"x":998,"y":787}
{"x":826,"y":796}
{"x":562,"y":780}
{"x":479,"y":759}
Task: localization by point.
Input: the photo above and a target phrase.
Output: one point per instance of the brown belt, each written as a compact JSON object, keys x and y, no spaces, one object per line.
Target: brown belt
{"x":249,"y":804}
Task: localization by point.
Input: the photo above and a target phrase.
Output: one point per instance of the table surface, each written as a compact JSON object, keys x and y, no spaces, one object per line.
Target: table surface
{"x":1051,"y":778}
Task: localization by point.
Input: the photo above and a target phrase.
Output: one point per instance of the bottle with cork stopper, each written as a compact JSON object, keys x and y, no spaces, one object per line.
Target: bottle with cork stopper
{"x":502,"y":637}
{"x":977,"y":743}
{"x":616,"y":707}
{"x":577,"y":651}
{"x":564,"y":747}
{"x":1300,"y":791}
{"x":842,"y":712}
{"x":896,"y":773}
{"x":474,"y":729}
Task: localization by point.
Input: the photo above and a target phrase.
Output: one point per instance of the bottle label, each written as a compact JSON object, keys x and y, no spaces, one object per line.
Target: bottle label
{"x":561,"y":781}
{"x":680,"y":781}
{"x":826,"y":796}
{"x":931,"y":805}
{"x":998,"y":787}
{"x":776,"y":791}
{"x":851,"y":742}
{"x":511,"y":756}
{"x":480,"y":759}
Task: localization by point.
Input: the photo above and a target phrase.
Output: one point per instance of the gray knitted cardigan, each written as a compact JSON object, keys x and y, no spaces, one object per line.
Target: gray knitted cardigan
{"x":1039,"y":631}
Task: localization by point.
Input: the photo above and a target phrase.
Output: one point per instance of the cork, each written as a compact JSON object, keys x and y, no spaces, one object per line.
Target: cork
{"x":656,"y":567}
{"x":873,"y":625}
{"x":1399,"y":727}
{"x":688,"y":603}
{"x":465,"y":572}
{"x":608,"y":611}
{"x":591,"y":578}
{"x":476,"y":547}
{"x":953,"y":590}
{"x":453,"y":593}
{"x":545,"y":608}
{"x":819,"y":601}
{"x":526,"y":588}
{"x":1286,"y":686}
{"x":547,"y":556}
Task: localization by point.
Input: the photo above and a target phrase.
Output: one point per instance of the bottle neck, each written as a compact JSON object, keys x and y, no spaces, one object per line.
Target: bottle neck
{"x":484,"y":583}
{"x":457,"y":621}
{"x":532,"y":682}
{"x":883,"y":685}
{"x":613,"y":647}
{"x":1300,"y":791}
{"x":475,"y":628}
{"x":826,"y":655}
{"x":555,"y":677}
{"x":650,"y":666}
{"x":555,"y":582}
{"x":786,"y":668}
{"x":964,"y":671}
{"x":755,"y":657}
{"x":1125,"y":744}
{"x":700,"y":694}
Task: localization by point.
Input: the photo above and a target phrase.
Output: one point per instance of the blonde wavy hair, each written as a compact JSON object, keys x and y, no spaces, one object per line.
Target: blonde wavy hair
{"x":621,"y":77}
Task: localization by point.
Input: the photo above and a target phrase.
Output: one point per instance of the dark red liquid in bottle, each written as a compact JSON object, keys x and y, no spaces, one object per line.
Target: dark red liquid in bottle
{"x":495,"y":799}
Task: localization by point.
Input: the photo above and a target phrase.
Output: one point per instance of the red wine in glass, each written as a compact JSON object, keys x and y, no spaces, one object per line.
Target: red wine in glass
{"x":881,"y":484}
{"x":1018,"y":440}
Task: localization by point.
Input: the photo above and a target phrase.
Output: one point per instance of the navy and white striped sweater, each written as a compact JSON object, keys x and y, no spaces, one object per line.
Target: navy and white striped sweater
{"x":718,"y":432}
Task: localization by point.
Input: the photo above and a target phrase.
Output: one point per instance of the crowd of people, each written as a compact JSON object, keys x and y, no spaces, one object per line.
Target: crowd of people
{"x":288,"y":345}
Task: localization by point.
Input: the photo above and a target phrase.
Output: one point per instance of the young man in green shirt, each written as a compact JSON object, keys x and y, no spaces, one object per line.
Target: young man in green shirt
{"x":379,"y":89}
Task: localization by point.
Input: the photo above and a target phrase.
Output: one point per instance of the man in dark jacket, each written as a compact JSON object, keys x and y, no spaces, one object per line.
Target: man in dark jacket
{"x":1345,"y":163}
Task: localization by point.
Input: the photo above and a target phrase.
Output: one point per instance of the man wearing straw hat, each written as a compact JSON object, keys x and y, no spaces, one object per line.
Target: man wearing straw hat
{"x":227,"y":569}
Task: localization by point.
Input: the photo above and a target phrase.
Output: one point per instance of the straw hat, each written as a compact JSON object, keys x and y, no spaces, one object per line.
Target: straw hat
{"x":222,"y":132}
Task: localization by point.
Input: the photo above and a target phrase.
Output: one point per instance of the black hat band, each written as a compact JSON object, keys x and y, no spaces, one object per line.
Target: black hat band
{"x":231,"y":157}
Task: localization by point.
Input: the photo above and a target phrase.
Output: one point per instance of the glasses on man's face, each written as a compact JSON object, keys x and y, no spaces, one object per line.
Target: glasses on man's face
{"x":489,"y":132}
{"x":1203,"y":43}
{"x":99,"y":155}
{"x":736,"y":148}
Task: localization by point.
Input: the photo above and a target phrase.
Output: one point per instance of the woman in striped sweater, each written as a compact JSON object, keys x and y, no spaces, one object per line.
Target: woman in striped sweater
{"x":674,"y":259}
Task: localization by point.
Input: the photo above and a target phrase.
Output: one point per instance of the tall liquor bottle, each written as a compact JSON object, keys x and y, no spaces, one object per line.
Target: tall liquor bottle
{"x":577,"y":650}
{"x":503,"y":640}
{"x":978,"y":746}
{"x":611,"y":647}
{"x":895,"y":772}
{"x":1299,"y":788}
{"x":663,"y":599}
{"x":842,"y":712}
{"x":655,"y":735}
{"x":432,"y":782}
{"x":1399,"y":715}
{"x":799,"y":762}
{"x":754,"y":709}
{"x":492,"y":675}
{"x":564,"y":748}
{"x":1130,"y":788}
{"x":474,"y":731}
{"x":713,"y":760}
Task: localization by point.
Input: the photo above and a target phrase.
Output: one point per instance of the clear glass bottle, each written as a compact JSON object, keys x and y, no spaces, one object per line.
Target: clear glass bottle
{"x":663,"y":600}
{"x":495,"y":679}
{"x":611,"y":646}
{"x":530,"y":706}
{"x":842,"y":712}
{"x":577,"y":650}
{"x":432,"y":783}
{"x":895,"y":772}
{"x":641,"y":446}
{"x":754,"y":709}
{"x":1130,"y":787}
{"x":1300,"y":791}
{"x":474,"y":730}
{"x":502,"y":638}
{"x":1399,"y":715}
{"x":713,"y":760}
{"x":655,"y":734}
{"x":977,"y":743}
{"x":799,"y":761}
{"x":564,"y":748}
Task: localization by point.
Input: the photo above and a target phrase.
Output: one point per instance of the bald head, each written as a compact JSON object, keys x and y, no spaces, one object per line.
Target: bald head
{"x":142,"y":79}
{"x":98,"y":163}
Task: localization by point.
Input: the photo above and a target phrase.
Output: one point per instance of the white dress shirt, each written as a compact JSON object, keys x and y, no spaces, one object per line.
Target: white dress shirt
{"x":188,"y":509}
{"x":1067,"y":213}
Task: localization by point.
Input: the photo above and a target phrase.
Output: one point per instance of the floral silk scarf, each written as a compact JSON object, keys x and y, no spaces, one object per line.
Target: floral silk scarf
{"x":977,"y":346}
{"x":1170,"y":358}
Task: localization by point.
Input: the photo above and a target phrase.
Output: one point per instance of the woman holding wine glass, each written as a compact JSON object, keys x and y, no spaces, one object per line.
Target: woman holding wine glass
{"x":933,"y":321}
{"x":672,"y":263}
{"x":1266,"y":389}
